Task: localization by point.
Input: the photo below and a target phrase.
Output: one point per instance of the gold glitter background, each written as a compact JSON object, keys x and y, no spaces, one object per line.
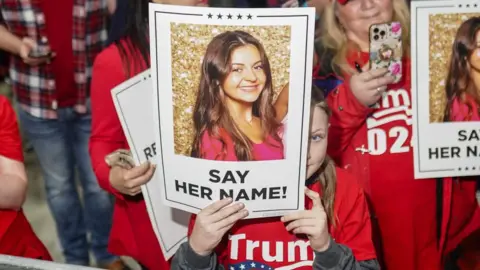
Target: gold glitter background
{"x":189,"y":42}
{"x":442,"y":29}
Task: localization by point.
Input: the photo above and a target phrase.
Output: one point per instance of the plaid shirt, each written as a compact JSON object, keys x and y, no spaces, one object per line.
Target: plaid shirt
{"x":34,"y":86}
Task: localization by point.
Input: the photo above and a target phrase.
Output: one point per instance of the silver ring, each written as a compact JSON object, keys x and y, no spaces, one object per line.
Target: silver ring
{"x":379,"y":90}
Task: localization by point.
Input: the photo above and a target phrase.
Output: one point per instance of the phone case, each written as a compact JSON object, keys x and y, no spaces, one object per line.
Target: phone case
{"x":386,"y":48}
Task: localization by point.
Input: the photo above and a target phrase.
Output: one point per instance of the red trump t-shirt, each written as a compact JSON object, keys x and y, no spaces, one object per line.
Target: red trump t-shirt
{"x":266,"y":244}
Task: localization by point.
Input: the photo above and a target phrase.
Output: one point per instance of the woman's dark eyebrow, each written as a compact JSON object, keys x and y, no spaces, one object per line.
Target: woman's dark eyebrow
{"x":240,"y":64}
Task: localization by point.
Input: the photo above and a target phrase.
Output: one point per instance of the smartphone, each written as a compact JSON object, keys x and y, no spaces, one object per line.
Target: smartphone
{"x":386,"y":48}
{"x":37,"y":54}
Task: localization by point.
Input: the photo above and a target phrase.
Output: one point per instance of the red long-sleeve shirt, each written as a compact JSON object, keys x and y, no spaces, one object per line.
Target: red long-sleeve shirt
{"x":132,"y":233}
{"x":374,"y":144}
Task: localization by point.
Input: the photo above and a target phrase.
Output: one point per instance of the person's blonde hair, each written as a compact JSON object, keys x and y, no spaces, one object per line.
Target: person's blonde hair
{"x":327,"y":176}
{"x":333,"y":36}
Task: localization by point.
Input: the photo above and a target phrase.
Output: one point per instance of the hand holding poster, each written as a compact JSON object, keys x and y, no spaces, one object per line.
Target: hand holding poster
{"x":445,"y":88}
{"x":132,"y":101}
{"x":217,"y":74}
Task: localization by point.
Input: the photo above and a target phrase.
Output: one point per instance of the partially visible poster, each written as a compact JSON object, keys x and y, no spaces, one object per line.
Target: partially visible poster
{"x":445,"y":88}
{"x":217,"y":75}
{"x":133,"y":102}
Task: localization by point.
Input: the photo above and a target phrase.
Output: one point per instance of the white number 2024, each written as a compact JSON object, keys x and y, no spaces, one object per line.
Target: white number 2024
{"x":377,"y":140}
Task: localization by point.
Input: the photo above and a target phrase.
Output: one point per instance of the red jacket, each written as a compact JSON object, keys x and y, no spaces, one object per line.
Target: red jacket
{"x":405,"y":208}
{"x":266,"y":241}
{"x":132,"y":233}
{"x":16,"y":236}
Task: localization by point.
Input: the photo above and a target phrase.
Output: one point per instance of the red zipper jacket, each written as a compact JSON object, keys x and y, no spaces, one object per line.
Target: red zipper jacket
{"x":375,"y":145}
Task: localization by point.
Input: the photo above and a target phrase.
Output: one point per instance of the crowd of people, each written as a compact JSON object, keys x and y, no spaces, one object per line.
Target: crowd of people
{"x":364,"y":209}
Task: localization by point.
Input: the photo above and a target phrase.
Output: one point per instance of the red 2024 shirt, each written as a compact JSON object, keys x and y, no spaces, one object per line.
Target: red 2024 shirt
{"x":16,"y":236}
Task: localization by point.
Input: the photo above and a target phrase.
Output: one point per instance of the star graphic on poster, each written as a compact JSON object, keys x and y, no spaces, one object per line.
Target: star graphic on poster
{"x":229,"y":16}
{"x":239,"y":17}
{"x":210,"y":15}
{"x":219,"y":16}
{"x":249,"y":16}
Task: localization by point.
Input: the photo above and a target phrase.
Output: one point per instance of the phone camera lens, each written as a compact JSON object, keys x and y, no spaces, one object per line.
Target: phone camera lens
{"x":375,"y":30}
{"x":375,"y":37}
{"x":382,"y":33}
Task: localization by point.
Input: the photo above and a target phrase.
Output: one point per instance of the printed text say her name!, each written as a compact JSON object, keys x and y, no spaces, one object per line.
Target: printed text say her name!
{"x":237,"y":194}
{"x":448,"y":152}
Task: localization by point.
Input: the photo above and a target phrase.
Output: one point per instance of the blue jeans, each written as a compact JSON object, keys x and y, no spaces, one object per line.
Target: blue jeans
{"x":62,"y":146}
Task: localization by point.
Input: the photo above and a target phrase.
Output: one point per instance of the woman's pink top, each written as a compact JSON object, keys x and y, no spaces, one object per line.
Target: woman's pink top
{"x":222,"y":147}
{"x":462,"y":112}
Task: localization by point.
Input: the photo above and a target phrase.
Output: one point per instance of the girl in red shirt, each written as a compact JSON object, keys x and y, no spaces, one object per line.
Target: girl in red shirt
{"x":333,"y":232}
{"x":132,"y":233}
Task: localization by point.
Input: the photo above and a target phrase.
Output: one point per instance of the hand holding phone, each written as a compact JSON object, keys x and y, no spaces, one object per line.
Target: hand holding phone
{"x":386,"y":49}
{"x":31,"y":55}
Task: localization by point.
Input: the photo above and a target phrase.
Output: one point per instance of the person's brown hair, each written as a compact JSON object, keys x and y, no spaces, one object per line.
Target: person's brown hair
{"x":458,"y":80}
{"x":334,"y":39}
{"x":326,"y":176}
{"x":210,"y":113}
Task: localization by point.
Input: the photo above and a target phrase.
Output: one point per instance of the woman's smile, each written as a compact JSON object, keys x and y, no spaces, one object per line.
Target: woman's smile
{"x":250,"y":88}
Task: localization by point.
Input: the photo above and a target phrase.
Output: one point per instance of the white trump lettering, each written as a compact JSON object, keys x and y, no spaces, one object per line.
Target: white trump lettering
{"x":395,"y":96}
{"x":239,"y":242}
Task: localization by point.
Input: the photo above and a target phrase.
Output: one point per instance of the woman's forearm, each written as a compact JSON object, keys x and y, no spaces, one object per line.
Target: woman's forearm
{"x":13,"y":191}
{"x":9,"y":42}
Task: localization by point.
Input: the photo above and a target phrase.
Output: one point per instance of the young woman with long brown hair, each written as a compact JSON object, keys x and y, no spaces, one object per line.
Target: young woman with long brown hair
{"x":335,"y":225}
{"x":463,"y":79}
{"x":234,"y":117}
{"x":463,"y":104}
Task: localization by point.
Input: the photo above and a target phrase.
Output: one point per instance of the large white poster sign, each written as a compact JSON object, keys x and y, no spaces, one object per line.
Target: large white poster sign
{"x":133,"y":102}
{"x":216,"y":75}
{"x":445,"y":83}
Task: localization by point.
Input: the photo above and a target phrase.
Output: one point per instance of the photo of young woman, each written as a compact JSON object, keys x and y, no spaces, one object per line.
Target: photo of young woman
{"x":463,"y":80}
{"x":234,"y":116}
